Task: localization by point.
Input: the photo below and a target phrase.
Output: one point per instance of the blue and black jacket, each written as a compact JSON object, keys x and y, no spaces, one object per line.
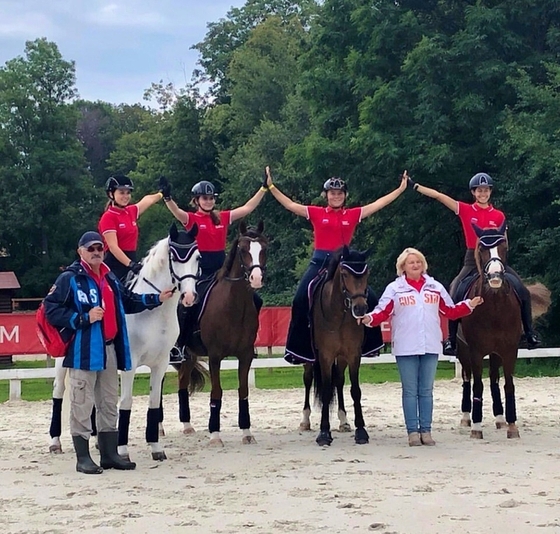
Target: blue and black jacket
{"x":67,"y":306}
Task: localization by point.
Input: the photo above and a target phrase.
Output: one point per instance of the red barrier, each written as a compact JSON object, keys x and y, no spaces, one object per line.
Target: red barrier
{"x":17,"y":331}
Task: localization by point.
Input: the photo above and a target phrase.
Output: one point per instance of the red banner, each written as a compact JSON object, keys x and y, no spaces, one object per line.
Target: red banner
{"x":18,"y":336}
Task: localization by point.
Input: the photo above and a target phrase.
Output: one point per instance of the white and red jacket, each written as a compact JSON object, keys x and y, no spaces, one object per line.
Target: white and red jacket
{"x":414,"y":313}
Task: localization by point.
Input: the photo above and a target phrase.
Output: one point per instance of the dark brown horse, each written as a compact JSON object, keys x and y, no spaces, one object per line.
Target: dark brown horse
{"x":228,"y":327}
{"x":493,"y":329}
{"x":337,"y":304}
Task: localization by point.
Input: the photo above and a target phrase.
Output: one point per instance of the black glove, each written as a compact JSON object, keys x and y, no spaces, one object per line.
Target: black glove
{"x":164,"y":188}
{"x":264,"y":181}
{"x":411,"y":183}
{"x":135,"y":267}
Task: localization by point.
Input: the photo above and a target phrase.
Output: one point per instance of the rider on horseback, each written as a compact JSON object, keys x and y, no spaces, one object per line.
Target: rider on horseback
{"x":484,"y":215}
{"x":211,"y":240}
{"x":333,"y":227}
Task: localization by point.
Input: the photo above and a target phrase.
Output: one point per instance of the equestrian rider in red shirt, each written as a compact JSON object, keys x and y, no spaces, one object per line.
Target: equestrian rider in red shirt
{"x":211,"y":240}
{"x":333,"y":227}
{"x":484,"y":215}
{"x":118,"y":225}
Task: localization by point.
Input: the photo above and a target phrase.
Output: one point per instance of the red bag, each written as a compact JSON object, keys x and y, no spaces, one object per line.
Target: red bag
{"x":49,"y":335}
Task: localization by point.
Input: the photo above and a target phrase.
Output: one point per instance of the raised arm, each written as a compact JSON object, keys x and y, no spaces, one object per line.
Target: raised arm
{"x":147,"y":201}
{"x":370,"y":209}
{"x":448,"y":202}
{"x":289,"y":204}
{"x":181,"y":215}
{"x":115,"y":249}
{"x":249,"y":206}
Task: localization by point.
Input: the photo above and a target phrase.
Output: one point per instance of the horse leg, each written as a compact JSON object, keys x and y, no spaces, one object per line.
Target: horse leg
{"x":325,"y":391}
{"x":183,"y":394}
{"x":55,"y":429}
{"x":215,"y":402}
{"x":244,"y":418}
{"x":344,"y":426}
{"x":478,"y":388}
{"x":497,"y":406}
{"x":361,"y":436}
{"x":125,"y":408}
{"x":308,"y":382}
{"x":509,"y":392}
{"x":153,"y":417}
{"x":161,"y":430}
{"x":466,"y":403}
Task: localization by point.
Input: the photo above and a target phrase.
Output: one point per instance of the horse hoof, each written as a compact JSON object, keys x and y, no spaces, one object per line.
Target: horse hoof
{"x":465,"y":423}
{"x":324,"y":438}
{"x":345,"y":427}
{"x":513,"y":434}
{"x":361,"y":437}
{"x":304,"y":427}
{"x":216,"y":443}
{"x":248,"y":440}
{"x":189,"y":431}
{"x":476,"y":434}
{"x":56,"y":449}
{"x":500,"y":425}
{"x":159,"y":456}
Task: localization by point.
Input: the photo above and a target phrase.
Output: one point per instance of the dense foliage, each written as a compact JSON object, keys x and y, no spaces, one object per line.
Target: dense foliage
{"x":352,"y":88}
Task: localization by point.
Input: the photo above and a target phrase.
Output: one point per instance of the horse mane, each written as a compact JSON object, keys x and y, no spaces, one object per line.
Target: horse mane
{"x":155,"y":257}
{"x":228,"y":263}
{"x":353,"y":256}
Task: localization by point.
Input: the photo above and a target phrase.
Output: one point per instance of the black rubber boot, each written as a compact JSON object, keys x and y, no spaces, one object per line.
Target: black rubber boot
{"x":84,"y":464}
{"x":110,"y":458}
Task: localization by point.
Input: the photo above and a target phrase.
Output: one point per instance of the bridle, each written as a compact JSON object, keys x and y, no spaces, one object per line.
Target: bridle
{"x":494,"y":268}
{"x":358,"y":269}
{"x":247,"y":270}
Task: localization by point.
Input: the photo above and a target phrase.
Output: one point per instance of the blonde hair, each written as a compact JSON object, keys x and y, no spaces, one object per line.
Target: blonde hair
{"x":401,"y":260}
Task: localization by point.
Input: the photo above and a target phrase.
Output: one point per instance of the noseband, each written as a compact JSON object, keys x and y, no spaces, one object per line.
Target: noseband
{"x":357,"y":268}
{"x":494,"y":268}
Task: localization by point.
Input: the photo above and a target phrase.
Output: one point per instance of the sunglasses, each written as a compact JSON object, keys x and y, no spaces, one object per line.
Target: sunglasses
{"x":95,"y":248}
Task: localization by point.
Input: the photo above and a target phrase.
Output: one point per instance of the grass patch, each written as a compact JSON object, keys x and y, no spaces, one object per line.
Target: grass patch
{"x":277,"y":378}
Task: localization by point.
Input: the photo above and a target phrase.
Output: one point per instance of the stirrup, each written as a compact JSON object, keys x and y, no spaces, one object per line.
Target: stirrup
{"x":176,"y":355}
{"x":448,"y":348}
{"x":533,"y":341}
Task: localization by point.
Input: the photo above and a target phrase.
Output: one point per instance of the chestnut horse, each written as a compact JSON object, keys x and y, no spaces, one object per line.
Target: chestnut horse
{"x":493,"y":329}
{"x":228,"y":327}
{"x":338,"y":302}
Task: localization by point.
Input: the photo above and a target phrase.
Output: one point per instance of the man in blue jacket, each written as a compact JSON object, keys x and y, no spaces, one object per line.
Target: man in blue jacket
{"x":89,"y":303}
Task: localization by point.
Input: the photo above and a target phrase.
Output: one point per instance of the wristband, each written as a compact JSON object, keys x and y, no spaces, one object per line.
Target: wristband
{"x":264,"y":189}
{"x":160,"y":194}
{"x":271,"y":186}
{"x":415,"y":187}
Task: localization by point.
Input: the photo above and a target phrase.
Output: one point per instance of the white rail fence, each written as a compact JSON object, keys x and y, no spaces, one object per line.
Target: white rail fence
{"x":15,"y":376}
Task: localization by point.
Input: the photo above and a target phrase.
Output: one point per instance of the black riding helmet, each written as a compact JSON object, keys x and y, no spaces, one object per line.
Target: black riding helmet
{"x":335,"y":183}
{"x":203,"y":188}
{"x":481,"y":179}
{"x":117,"y":182}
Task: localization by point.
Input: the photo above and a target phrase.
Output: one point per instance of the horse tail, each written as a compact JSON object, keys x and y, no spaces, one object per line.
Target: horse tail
{"x":199,"y":374}
{"x":540,"y":299}
{"x":318,"y":385}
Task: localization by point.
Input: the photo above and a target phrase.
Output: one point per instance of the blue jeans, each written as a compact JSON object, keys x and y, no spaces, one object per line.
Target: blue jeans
{"x":417,"y":379}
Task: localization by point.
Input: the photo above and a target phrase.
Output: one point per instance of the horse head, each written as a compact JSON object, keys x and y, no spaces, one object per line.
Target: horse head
{"x":353,"y":273}
{"x":491,"y":254}
{"x":251,"y":249}
{"x":183,"y":262}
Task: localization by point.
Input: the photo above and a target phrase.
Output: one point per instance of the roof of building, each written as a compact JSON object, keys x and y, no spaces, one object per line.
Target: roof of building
{"x":8,"y":280}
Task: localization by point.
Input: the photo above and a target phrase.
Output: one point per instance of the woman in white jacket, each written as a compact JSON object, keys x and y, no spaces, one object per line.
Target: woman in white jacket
{"x":414,"y":302}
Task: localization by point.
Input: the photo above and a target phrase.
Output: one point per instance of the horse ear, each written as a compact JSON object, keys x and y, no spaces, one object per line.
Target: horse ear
{"x":477,"y":230}
{"x":242,"y":227}
{"x":173,"y":233}
{"x":193,"y":232}
{"x":345,"y":251}
{"x":260,"y":227}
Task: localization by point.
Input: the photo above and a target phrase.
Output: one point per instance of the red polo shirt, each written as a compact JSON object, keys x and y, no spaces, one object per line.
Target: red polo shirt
{"x":107,"y":301}
{"x":488,"y":217}
{"x":333,"y":228}
{"x":123,"y":222}
{"x":211,"y":237}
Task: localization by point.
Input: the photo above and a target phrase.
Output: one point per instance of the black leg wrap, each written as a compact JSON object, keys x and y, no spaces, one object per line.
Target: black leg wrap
{"x":497,"y":407}
{"x":511,"y":412}
{"x":477,"y":411}
{"x":466,"y":404}
{"x":152,"y":425}
{"x":124,"y":425}
{"x":56,"y":421}
{"x":184,"y":407}
{"x":93,"y":422}
{"x":214,"y":423}
{"x":244,"y":417}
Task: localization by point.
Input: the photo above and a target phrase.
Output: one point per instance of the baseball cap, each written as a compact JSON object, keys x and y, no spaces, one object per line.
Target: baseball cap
{"x":90,"y":238}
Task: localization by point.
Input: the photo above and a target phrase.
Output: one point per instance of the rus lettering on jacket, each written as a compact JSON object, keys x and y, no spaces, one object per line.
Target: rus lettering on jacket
{"x":407,"y":300}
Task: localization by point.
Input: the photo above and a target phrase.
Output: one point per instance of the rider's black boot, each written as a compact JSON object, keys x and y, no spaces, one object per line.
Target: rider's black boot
{"x":450,"y":344}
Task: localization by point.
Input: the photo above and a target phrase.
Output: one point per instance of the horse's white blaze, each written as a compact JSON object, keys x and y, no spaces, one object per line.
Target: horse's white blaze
{"x":495,"y":267}
{"x":256,"y":277}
